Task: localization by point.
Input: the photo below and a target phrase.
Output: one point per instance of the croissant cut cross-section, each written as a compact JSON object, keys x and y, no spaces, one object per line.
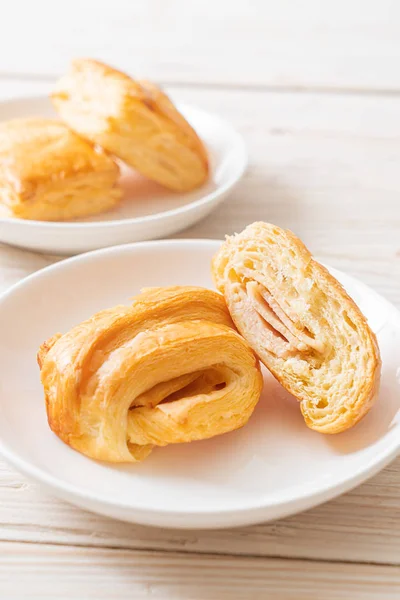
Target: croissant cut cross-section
{"x":301,"y":323}
{"x":171,"y":368}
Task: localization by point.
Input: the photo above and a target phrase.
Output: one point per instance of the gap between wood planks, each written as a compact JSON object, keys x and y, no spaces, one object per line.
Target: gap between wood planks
{"x":204,"y":553}
{"x":231,"y":86}
{"x":257,"y":88}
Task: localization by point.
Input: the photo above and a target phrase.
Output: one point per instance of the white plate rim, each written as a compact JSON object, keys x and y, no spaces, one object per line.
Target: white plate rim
{"x":291,"y":502}
{"x":203,"y":201}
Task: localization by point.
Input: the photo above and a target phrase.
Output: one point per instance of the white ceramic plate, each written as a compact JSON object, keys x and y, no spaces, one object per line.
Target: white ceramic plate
{"x":147,"y":211}
{"x":273,"y":467}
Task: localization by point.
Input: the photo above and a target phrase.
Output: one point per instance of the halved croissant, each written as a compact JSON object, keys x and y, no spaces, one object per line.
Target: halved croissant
{"x":168,"y":369}
{"x":301,"y":323}
{"x":134,"y":120}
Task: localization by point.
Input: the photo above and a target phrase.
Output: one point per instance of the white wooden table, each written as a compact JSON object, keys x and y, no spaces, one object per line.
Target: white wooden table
{"x":314,"y":87}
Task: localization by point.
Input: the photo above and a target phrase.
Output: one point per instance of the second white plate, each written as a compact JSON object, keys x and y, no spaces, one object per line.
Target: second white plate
{"x":272,"y":467}
{"x":147,"y":210}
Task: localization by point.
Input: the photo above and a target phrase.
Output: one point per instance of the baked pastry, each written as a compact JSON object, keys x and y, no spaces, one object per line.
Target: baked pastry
{"x":133,"y":120}
{"x":168,"y":369}
{"x":48,"y":173}
{"x":301,"y":324}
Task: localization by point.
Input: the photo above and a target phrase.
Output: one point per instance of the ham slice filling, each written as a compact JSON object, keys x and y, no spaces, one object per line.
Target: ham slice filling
{"x":284,"y":335}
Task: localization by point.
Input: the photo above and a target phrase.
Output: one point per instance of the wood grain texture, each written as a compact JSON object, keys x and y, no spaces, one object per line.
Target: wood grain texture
{"x":16,"y":263}
{"x":86,"y":573}
{"x":346,"y":44}
{"x":362,"y":526}
{"x":313,"y":87}
{"x":325,"y":167}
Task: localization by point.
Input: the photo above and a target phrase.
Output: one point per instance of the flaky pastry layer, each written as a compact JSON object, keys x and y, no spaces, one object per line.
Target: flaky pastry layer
{"x":301,"y":323}
{"x":134,"y":120}
{"x":49,"y":173}
{"x":168,"y":369}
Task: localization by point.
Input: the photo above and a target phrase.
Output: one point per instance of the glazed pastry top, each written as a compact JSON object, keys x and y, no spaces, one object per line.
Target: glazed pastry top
{"x":38,"y":151}
{"x":134,"y":120}
{"x":168,"y":369}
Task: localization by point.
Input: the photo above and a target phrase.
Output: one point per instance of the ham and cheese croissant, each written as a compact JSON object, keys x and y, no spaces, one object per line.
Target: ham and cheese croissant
{"x":135,"y":121}
{"x":168,"y":369}
{"x":301,"y":324}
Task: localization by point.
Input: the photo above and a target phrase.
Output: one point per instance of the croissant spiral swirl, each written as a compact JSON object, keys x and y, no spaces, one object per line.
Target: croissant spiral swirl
{"x":168,"y":369}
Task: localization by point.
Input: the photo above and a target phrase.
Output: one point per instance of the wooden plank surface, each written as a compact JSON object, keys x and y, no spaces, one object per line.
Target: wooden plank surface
{"x":362,"y":526}
{"x":85,"y":573}
{"x":346,"y":44}
{"x":313,"y":87}
{"x":326,"y":167}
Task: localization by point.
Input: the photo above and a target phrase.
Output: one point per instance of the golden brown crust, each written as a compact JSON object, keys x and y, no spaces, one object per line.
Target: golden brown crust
{"x":168,"y":369}
{"x":133,"y":120}
{"x":301,"y":323}
{"x":47,"y":172}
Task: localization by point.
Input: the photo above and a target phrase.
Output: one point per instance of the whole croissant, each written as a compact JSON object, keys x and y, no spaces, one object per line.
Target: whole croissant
{"x":133,"y":120}
{"x":168,"y":369}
